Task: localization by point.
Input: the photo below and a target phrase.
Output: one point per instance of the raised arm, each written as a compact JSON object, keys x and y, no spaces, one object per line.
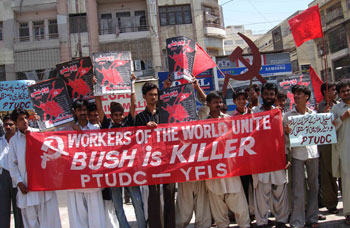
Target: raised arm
{"x":199,"y":90}
{"x":133,"y":97}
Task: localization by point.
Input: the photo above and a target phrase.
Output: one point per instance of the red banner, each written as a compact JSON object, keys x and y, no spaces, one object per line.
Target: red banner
{"x":177,"y":152}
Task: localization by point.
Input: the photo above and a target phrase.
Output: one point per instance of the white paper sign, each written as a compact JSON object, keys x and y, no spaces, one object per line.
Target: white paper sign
{"x":313,"y":129}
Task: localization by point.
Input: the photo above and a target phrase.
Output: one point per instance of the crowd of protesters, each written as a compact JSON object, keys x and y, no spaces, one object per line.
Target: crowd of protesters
{"x":293,"y":196}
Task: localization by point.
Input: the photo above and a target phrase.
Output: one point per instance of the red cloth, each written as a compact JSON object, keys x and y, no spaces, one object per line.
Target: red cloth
{"x":316,"y":84}
{"x":202,"y":61}
{"x":306,"y":25}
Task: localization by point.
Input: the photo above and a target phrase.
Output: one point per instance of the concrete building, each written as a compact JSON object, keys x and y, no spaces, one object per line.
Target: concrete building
{"x":233,"y":40}
{"x":35,"y":35}
{"x":335,"y":16}
{"x":281,"y":39}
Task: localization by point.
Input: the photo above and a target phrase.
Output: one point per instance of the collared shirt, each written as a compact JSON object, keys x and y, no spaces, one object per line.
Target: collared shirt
{"x":146,"y":116}
{"x":301,"y":152}
{"x":340,"y":150}
{"x":237,"y":113}
{"x":18,"y":171}
{"x":224,"y":185}
{"x":89,"y":126}
{"x":323,"y":104}
{"x":4,"y":150}
{"x":108,"y":123}
{"x":276,"y":177}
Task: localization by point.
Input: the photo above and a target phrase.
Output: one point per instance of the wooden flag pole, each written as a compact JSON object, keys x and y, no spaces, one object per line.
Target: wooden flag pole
{"x":225,"y":76}
{"x":325,"y":66}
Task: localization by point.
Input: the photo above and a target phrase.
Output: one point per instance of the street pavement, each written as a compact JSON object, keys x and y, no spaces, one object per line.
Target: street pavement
{"x":332,"y":221}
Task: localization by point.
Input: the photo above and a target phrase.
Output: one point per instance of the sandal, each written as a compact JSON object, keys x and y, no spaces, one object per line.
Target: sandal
{"x":313,"y":225}
{"x":347,"y":220}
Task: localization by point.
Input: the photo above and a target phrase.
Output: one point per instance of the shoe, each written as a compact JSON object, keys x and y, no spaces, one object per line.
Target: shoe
{"x":321,"y":217}
{"x":333,"y":211}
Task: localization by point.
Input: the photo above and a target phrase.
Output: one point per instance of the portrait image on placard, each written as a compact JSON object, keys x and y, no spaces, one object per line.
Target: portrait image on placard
{"x":77,"y":75}
{"x":181,"y":52}
{"x":177,"y":104}
{"x":112,"y":71}
{"x":51,"y":102}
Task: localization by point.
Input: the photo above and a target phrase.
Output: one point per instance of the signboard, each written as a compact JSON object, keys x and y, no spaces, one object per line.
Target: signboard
{"x":14,"y":94}
{"x":51,"y":102}
{"x":266,"y":70}
{"x":124,"y":99}
{"x":314,"y":129}
{"x":112,"y":71}
{"x":177,"y":104}
{"x":77,"y":75}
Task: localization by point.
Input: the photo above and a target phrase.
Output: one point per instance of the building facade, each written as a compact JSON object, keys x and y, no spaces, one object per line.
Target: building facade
{"x":35,"y":35}
{"x":335,"y":17}
{"x":233,"y":40}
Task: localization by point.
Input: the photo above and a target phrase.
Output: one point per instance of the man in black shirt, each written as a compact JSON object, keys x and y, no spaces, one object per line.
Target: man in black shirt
{"x":150,"y":117}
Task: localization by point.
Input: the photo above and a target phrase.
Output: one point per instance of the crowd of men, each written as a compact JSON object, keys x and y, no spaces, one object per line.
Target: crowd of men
{"x":214,"y":201}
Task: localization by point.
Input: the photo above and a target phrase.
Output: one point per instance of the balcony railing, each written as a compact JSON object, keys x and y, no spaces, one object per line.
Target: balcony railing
{"x":212,"y":20}
{"x":118,"y":30}
{"x":21,"y":39}
{"x":334,"y":15}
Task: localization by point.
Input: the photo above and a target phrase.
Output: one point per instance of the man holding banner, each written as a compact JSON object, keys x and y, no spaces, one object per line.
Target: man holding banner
{"x":39,"y":209}
{"x":270,"y":186}
{"x":340,"y":151}
{"x":150,"y":117}
{"x":225,"y":193}
{"x":303,"y":156}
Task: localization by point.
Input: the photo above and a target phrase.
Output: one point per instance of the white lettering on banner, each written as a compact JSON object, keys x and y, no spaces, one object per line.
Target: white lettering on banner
{"x":125,"y":179}
{"x":98,"y":139}
{"x":220,"y":171}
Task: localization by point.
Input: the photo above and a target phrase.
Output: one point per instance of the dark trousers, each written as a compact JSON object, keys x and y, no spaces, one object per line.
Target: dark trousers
{"x":154,"y":210}
{"x":8,"y":194}
{"x":246,"y":180}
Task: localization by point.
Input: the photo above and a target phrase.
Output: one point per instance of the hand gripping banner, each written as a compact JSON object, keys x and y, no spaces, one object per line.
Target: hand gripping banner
{"x":177,"y":152}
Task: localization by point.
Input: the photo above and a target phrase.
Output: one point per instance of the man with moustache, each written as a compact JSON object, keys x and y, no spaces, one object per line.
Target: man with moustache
{"x":303,"y":156}
{"x":340,"y":150}
{"x":39,"y":209}
{"x":225,"y":193}
{"x":85,"y":206}
{"x":270,"y":186}
{"x":7,"y":190}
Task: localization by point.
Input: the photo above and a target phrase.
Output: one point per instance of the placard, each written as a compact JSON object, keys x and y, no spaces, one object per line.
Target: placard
{"x":312,"y":129}
{"x":52,"y":103}
{"x":78,"y":75}
{"x":112,"y":71}
{"x":14,"y":94}
{"x":178,"y":104}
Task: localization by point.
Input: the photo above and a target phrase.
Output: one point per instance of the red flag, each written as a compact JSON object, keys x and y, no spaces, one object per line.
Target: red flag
{"x":202,"y":61}
{"x":316,"y":84}
{"x":306,"y":25}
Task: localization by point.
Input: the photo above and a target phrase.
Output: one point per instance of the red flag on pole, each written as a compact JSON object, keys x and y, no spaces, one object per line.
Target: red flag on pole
{"x":316,"y":84}
{"x":306,"y":25}
{"x":202,"y":61}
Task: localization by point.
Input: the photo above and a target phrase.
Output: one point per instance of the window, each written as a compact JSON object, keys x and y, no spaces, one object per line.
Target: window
{"x":228,"y":42}
{"x":1,"y":26}
{"x":295,"y":66}
{"x":336,"y":40}
{"x":212,"y":17}
{"x":2,"y":73}
{"x":77,"y":23}
{"x":171,"y":15}
{"x":142,"y":20}
{"x":106,"y":24}
{"x":39,"y":30}
{"x":124,"y":20}
{"x":53,"y":30}
{"x":23,"y":31}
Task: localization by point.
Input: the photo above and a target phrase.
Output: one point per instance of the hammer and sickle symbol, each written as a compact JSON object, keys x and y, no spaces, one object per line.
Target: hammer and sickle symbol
{"x":253,"y":69}
{"x":57,"y":151}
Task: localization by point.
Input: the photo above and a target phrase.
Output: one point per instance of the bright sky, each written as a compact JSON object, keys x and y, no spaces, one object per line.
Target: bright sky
{"x":260,"y":15}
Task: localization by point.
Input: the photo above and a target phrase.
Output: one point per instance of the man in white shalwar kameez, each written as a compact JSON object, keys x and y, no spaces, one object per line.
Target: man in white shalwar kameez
{"x":225,"y":193}
{"x":85,"y":206}
{"x":39,"y":209}
{"x":271,"y":186}
{"x":341,"y":150}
